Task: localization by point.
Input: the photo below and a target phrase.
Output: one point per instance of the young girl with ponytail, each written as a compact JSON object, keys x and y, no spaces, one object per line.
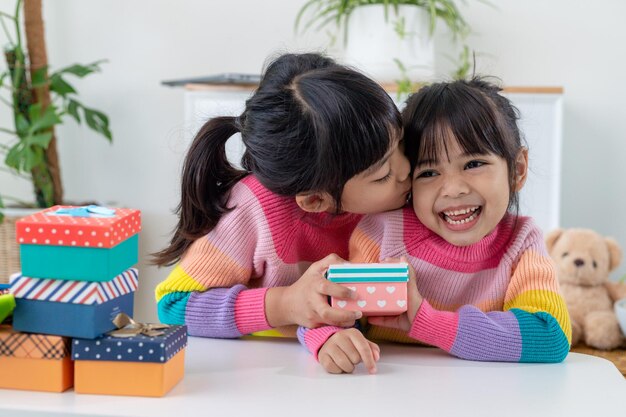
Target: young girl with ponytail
{"x":322,"y":148}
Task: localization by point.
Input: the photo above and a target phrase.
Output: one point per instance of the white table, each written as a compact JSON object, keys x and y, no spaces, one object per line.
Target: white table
{"x":277,"y":377}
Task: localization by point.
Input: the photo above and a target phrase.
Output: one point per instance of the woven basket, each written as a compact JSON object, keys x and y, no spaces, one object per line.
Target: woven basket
{"x":9,"y":249}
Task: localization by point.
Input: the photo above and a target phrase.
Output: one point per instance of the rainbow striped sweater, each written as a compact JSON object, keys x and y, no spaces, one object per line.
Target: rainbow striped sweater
{"x":218,"y":288}
{"x":495,"y":300}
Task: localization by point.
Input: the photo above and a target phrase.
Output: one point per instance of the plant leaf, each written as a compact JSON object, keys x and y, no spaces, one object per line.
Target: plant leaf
{"x":40,"y":77}
{"x":80,"y":70}
{"x":72,"y":109}
{"x":32,"y":156}
{"x":12,"y":159}
{"x":98,"y":122}
{"x":42,"y":140}
{"x":60,"y":86}
{"x":21,"y":125}
{"x":43,"y":121}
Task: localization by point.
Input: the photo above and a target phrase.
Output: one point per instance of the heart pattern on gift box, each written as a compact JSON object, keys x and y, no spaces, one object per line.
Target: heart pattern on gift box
{"x":383,"y":299}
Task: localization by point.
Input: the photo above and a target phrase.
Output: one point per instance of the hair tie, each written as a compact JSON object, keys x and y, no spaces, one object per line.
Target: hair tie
{"x":239,"y":121}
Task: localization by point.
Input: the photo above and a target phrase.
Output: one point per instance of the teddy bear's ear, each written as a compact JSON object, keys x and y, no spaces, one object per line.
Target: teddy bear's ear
{"x":552,"y":237}
{"x":615,"y":253}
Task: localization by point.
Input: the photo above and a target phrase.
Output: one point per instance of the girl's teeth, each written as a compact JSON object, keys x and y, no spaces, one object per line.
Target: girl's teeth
{"x":469,"y":219}
{"x":459,"y":212}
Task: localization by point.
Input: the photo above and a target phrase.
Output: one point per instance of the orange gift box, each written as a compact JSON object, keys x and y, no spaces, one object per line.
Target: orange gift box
{"x":129,"y":378}
{"x":146,"y":364}
{"x":34,"y":362}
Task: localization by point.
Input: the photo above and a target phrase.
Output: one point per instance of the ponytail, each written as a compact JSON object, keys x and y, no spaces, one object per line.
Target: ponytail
{"x":207,"y":179}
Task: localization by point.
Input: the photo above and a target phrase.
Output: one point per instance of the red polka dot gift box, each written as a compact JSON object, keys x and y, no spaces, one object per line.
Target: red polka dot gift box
{"x":89,"y":243}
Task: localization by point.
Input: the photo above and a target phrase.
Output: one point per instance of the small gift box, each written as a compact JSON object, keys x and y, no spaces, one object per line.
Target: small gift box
{"x":72,"y":308}
{"x":7,"y":302}
{"x":34,"y":361}
{"x":381,"y":288}
{"x":89,"y":243}
{"x":143,"y":362}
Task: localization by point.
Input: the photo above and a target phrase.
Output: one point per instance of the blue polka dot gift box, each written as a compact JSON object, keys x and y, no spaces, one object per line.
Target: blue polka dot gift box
{"x":137,"y":364}
{"x":71,"y":308}
{"x":89,"y":243}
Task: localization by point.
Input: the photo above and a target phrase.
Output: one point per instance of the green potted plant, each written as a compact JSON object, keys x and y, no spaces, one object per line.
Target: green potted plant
{"x":39,"y":100}
{"x":389,"y":39}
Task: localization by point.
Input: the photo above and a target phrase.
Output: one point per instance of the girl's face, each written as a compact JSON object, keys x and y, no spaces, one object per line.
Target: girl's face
{"x":463,"y":197}
{"x":384,"y":186}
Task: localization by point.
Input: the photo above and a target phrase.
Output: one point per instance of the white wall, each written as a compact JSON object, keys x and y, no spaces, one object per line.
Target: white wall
{"x":532,"y":43}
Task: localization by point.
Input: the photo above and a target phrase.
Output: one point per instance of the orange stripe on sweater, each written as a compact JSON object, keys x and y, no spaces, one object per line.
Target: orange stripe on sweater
{"x":363,"y":249}
{"x":211,"y":267}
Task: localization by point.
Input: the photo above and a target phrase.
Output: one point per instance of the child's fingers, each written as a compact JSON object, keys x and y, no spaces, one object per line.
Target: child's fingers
{"x":329,"y":364}
{"x":322,"y":265}
{"x":366,"y":353}
{"x":338,"y":317}
{"x":343,"y":361}
{"x":332,"y":289}
{"x":375,"y":350}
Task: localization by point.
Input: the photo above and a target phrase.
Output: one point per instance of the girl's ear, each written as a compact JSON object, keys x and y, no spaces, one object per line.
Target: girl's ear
{"x":315,"y":202}
{"x":521,"y":169}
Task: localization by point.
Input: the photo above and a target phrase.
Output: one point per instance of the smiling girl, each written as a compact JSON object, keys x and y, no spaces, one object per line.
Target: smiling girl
{"x":483,"y":286}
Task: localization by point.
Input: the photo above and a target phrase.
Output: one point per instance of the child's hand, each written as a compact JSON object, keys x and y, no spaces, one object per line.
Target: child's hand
{"x":305,"y":302}
{"x":414,"y":301}
{"x":347,"y":348}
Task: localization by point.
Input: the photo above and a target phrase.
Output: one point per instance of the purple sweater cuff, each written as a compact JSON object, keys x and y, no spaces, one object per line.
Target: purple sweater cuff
{"x":212,"y":313}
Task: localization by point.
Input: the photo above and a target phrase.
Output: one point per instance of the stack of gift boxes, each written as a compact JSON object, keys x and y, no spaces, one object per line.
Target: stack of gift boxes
{"x":76,"y":283}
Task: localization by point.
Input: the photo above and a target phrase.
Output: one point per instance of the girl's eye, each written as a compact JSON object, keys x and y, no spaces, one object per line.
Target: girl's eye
{"x":384,"y":179}
{"x":474,"y":164}
{"x":426,"y":174}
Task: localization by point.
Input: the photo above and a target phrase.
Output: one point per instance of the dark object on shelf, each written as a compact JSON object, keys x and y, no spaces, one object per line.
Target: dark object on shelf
{"x":225,"y":78}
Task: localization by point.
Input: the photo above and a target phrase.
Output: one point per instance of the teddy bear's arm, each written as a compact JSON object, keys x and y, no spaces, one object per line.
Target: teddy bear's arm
{"x":617,"y":290}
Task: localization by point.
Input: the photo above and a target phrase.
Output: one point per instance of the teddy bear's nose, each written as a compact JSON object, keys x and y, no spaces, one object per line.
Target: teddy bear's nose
{"x":579,"y":262}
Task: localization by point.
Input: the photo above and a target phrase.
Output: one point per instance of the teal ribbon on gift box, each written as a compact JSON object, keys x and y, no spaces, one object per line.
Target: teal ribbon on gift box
{"x":84,"y":211}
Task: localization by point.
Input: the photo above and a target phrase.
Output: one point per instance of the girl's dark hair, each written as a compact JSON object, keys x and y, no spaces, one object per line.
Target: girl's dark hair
{"x":474,"y":112}
{"x":311,"y":125}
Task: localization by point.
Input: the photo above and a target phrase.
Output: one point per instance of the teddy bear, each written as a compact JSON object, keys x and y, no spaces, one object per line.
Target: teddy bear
{"x":584,"y":260}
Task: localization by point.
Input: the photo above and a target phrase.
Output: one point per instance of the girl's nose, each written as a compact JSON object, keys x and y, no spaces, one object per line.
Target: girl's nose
{"x":454,"y":187}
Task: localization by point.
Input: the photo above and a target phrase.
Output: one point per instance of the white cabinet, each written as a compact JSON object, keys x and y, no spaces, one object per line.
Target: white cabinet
{"x":541,"y":126}
{"x":540,"y":123}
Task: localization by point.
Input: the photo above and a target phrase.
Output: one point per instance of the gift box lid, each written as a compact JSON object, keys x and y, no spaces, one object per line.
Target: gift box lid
{"x":75,"y":292}
{"x":89,"y":226}
{"x":32,"y":345}
{"x":140,"y":348}
{"x":375,"y":272}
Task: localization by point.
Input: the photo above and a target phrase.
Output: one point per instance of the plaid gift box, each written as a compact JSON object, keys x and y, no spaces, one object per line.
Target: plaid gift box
{"x":34,"y":361}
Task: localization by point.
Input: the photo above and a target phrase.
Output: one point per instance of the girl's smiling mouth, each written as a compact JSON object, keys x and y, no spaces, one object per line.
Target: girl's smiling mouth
{"x":459,"y":219}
